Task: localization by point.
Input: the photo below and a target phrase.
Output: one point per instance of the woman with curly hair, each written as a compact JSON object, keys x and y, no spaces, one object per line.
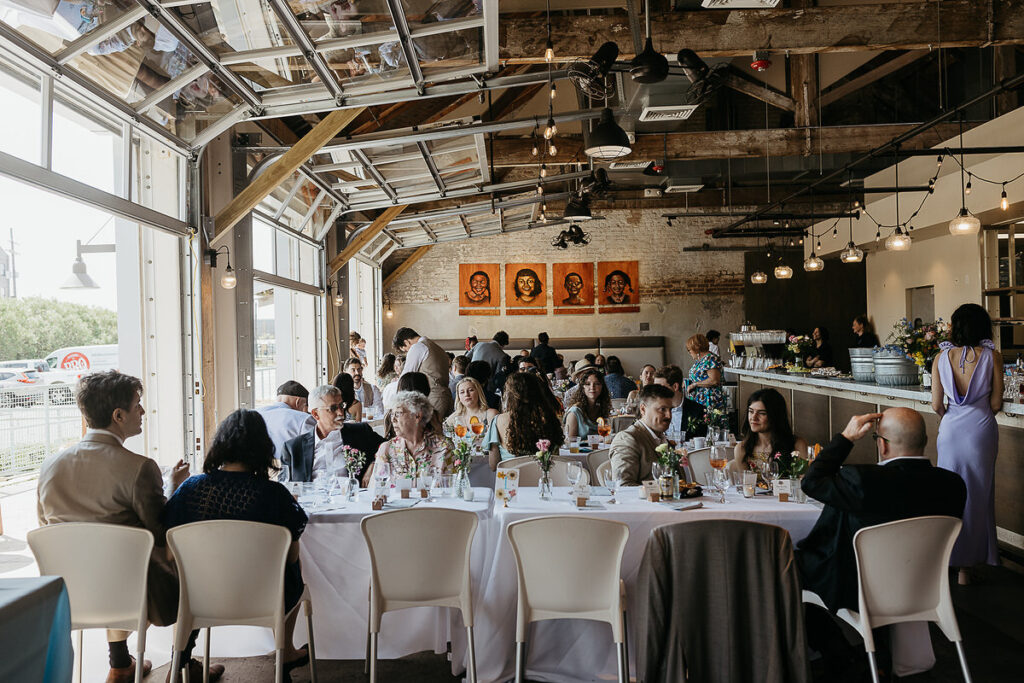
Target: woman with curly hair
{"x":528,"y":415}
{"x":590,"y":402}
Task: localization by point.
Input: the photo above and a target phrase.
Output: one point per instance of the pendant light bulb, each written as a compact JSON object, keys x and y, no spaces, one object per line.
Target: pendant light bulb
{"x":964,"y":224}
{"x":938,"y":162}
{"x":549,"y":52}
{"x":540,"y":189}
{"x":758,"y":278}
{"x":898,"y":241}
{"x":534,"y":151}
{"x":967,"y":190}
{"x":228,"y":279}
{"x":552,"y":150}
{"x":783,"y":272}
{"x":554,"y":89}
{"x":543,"y":170}
{"x":813,"y":263}
{"x":339,"y":300}
{"x":551,"y":129}
{"x":1004,"y":203}
{"x":851,"y":254}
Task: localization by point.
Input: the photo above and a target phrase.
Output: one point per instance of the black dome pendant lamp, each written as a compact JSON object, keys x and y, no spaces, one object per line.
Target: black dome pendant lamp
{"x":650,"y":66}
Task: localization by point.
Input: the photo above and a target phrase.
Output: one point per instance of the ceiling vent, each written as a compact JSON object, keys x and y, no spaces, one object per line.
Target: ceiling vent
{"x":739,"y":4}
{"x":628,"y":165}
{"x":667,"y":112}
{"x":682,"y":185}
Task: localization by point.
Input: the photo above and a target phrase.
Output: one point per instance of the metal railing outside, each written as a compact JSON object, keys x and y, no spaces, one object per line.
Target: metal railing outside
{"x":35,"y":422}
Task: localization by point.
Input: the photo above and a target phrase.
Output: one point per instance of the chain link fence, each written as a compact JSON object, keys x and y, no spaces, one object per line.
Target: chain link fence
{"x":35,"y":422}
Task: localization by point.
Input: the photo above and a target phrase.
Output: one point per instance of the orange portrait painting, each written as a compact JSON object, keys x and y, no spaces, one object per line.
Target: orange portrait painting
{"x":525,"y":287}
{"x":479,"y":288}
{"x":618,"y":286}
{"x":573,"y":287}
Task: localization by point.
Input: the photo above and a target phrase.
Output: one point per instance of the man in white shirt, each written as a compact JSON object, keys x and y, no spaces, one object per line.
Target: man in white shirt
{"x":287,"y":417}
{"x":316,"y":449}
{"x":671,"y":376}
{"x":633,"y":449}
{"x":366,"y":393}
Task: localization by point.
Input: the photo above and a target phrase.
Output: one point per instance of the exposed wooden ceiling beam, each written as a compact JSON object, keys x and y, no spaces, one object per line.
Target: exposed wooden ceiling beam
{"x":247,"y":200}
{"x":364,"y":237}
{"x":405,"y":266}
{"x":723,"y":144}
{"x":893,"y":65}
{"x":844,"y":28}
{"x":803,"y":88}
{"x":760,"y":91}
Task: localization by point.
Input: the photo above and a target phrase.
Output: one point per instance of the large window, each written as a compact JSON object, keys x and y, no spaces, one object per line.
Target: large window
{"x":364,"y":312}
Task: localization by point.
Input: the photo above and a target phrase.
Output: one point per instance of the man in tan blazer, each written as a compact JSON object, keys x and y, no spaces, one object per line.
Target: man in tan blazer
{"x":423,"y":355}
{"x":633,"y":448}
{"x":99,"y":480}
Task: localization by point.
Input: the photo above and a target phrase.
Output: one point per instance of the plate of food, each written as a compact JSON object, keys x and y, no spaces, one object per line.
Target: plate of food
{"x":690,"y":489}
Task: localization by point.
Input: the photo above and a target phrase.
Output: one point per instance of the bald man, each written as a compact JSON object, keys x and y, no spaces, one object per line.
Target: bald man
{"x":903,"y":484}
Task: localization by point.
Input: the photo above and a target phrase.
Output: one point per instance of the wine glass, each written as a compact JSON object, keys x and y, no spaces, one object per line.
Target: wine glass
{"x":321,"y":486}
{"x":381,"y":475}
{"x":575,"y":473}
{"x":477,"y":428}
{"x":611,"y":482}
{"x":604,"y":430}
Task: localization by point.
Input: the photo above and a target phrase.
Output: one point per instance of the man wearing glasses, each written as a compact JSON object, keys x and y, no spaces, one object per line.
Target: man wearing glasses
{"x":903,"y":484}
{"x":316,"y":449}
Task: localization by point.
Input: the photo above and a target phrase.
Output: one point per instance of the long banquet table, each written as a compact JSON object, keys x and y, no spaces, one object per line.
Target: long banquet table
{"x":336,"y":566}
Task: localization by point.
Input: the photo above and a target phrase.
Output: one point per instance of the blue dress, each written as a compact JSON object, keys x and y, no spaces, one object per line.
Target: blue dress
{"x":967,"y":444}
{"x":584,"y":425}
{"x":618,"y":385}
{"x":241,"y":496}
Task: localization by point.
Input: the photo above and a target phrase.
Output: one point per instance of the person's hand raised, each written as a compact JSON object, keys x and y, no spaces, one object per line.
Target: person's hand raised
{"x":860,"y":425}
{"x":179,"y":474}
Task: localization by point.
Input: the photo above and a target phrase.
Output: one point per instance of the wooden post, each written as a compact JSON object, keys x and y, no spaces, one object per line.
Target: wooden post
{"x":282,"y":169}
{"x":405,"y":265}
{"x":363,"y":238}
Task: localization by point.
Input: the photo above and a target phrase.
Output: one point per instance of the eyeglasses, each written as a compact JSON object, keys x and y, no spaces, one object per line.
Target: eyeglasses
{"x":876,"y":436}
{"x":335,"y":408}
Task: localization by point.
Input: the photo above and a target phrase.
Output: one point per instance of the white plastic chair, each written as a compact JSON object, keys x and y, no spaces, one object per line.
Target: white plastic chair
{"x":104,"y":567}
{"x":231,"y":572}
{"x":606,"y":466}
{"x":594,"y":460}
{"x":529,"y":470}
{"x":902,"y":576}
{"x":551,"y":554}
{"x":700,"y":464}
{"x":419,"y":558}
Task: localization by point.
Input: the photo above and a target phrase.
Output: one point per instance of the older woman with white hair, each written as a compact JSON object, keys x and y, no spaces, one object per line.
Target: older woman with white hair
{"x":416,"y":447}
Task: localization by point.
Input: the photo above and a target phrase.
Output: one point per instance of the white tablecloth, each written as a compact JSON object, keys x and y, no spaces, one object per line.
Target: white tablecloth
{"x":576,"y":650}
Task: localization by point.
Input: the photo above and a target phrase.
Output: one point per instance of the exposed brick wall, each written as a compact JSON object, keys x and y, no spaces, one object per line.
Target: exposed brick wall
{"x":682,"y":292}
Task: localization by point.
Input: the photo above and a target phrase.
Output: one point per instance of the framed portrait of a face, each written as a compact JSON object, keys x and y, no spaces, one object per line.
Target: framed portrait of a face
{"x":525,"y":287}
{"x":572,"y":286}
{"x":618,"y":286}
{"x":479,"y":289}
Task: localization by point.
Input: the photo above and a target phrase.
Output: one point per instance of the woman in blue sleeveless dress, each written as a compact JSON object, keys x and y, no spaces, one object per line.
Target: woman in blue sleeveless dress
{"x":967,"y":392}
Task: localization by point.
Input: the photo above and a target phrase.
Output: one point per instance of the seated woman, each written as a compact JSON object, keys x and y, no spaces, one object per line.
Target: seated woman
{"x":821,"y":355}
{"x":615,"y":378}
{"x":235,"y":484}
{"x":386,"y":371}
{"x":346,"y":385}
{"x":416,"y":446}
{"x":470,"y":403}
{"x":529,"y":415}
{"x":387,"y":393}
{"x":646,"y":377}
{"x":590,"y":402}
{"x":765,"y":432}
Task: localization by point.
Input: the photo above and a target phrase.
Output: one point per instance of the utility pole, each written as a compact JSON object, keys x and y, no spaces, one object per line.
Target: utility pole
{"x":14,"y":272}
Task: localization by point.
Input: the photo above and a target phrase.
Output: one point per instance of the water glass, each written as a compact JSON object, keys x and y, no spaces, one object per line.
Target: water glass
{"x":575,"y":473}
{"x":749,"y":484}
{"x":611,"y":482}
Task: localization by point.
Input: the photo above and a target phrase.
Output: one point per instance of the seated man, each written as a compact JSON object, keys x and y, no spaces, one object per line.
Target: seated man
{"x":288,"y":417}
{"x":316,"y":449}
{"x":366,"y":393}
{"x":99,"y":480}
{"x":633,"y":448}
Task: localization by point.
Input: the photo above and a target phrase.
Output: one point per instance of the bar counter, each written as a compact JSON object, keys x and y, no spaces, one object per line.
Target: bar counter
{"x":821,"y":407}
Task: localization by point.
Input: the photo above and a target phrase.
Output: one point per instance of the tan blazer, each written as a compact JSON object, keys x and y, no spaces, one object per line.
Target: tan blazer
{"x":633,"y":453}
{"x":99,"y":480}
{"x":436,"y":367}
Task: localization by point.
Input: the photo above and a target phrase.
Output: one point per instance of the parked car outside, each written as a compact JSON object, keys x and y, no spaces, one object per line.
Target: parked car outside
{"x":13,"y":385}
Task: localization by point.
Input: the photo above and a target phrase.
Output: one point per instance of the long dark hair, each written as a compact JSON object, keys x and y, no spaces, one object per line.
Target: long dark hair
{"x":531,"y":414}
{"x":782,"y":438}
{"x":603,"y":406}
{"x":414,"y":381}
{"x":242,"y":438}
{"x":970,"y":325}
{"x":387,"y":365}
{"x":344,"y":383}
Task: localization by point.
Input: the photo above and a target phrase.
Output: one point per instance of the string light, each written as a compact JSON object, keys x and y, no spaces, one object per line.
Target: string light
{"x":553,"y":90}
{"x":540,"y":189}
{"x":939,"y":161}
{"x":551,"y":129}
{"x":552,"y":150}
{"x":543,"y":170}
{"x":549,"y":52}
{"x":967,"y":190}
{"x":1004,"y":203}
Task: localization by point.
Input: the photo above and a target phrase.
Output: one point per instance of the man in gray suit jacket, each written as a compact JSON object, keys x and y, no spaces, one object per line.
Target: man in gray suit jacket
{"x":99,"y":480}
{"x":633,"y":448}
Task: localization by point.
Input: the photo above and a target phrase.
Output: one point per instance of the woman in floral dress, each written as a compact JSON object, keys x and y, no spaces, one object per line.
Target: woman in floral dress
{"x":705,"y":385}
{"x":416,"y":448}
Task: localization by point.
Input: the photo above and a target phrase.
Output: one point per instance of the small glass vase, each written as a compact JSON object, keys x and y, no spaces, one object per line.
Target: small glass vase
{"x":545,"y":486}
{"x":675,"y":486}
{"x":460,"y":483}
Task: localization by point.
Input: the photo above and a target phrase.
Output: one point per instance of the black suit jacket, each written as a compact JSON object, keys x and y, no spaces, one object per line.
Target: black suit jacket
{"x":857,"y":496}
{"x":298,"y":452}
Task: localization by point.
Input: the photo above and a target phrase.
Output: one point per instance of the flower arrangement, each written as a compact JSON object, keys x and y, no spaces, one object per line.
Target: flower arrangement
{"x":561,"y":385}
{"x":462,"y":456}
{"x":715,"y":418}
{"x":693,"y":424}
{"x":669,"y":456}
{"x":919,"y":344}
{"x":355,"y":459}
{"x":544,"y":456}
{"x":791,"y":466}
{"x":799,"y":345}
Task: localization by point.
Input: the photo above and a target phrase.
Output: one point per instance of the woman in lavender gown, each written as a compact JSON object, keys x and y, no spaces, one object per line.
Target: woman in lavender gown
{"x":967,"y":392}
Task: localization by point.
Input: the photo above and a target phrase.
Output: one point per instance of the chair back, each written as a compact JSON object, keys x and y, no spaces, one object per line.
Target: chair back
{"x":618,"y":403}
{"x":902,"y":572}
{"x":419,"y":557}
{"x":230,"y":572}
{"x":552,"y":554}
{"x":700,"y":464}
{"x":529,"y":470}
{"x":595,"y":458}
{"x":104,"y":567}
{"x":604,"y":468}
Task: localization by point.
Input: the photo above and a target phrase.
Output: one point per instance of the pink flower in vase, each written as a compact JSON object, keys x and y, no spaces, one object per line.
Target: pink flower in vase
{"x":544,"y":445}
